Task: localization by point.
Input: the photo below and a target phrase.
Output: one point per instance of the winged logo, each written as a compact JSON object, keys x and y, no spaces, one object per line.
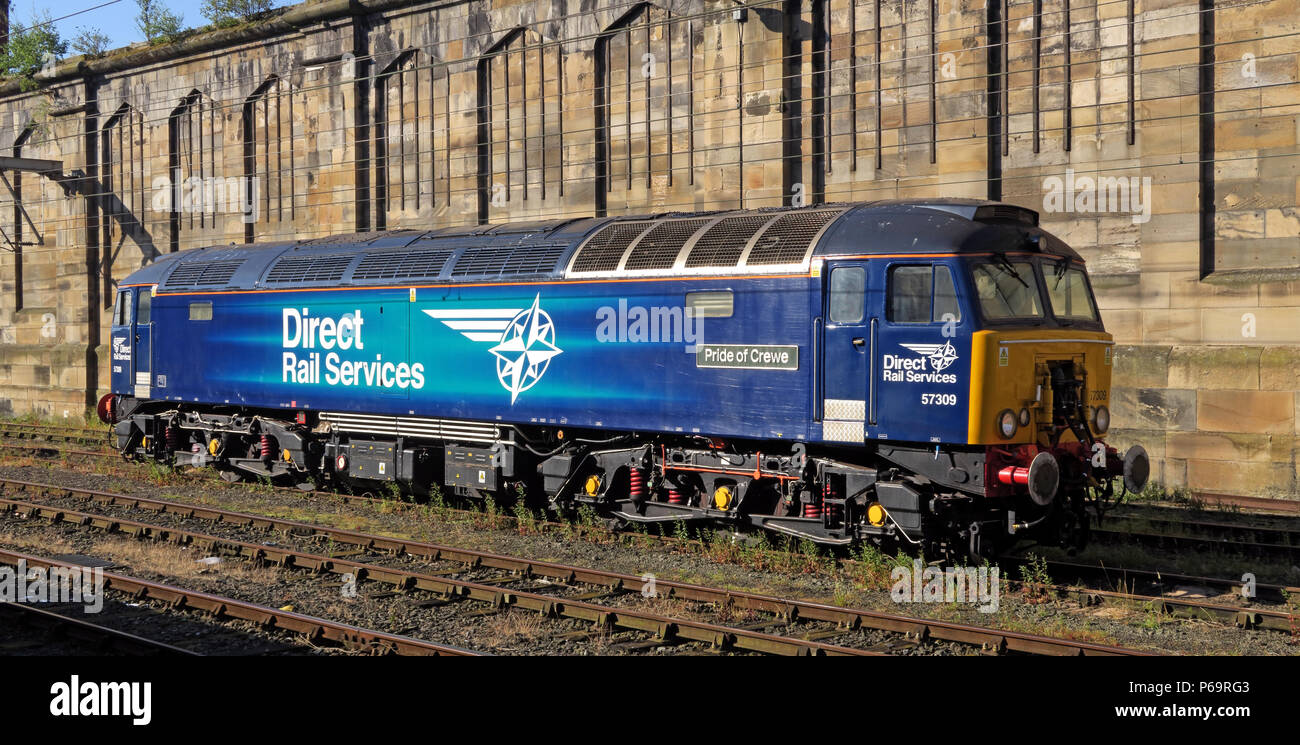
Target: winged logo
{"x":523,"y":338}
{"x":940,"y":355}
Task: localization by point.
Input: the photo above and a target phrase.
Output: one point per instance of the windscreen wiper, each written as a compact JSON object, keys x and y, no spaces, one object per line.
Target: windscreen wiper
{"x":1003,"y":262}
{"x":1059,"y":271}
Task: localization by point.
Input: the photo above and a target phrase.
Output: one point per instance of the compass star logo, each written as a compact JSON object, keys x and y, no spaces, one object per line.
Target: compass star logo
{"x":523,"y":340}
{"x":525,"y":350}
{"x":941,"y":355}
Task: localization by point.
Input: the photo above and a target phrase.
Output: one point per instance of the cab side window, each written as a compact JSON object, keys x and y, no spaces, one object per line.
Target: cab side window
{"x":122,"y":309}
{"x":945,"y":296}
{"x":848,"y":294}
{"x":922,"y":293}
{"x":143,"y":306}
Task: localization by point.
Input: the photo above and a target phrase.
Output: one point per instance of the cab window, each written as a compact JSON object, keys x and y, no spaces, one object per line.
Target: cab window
{"x":143,"y":306}
{"x":1007,"y":289}
{"x":122,"y":309}
{"x":1067,"y":289}
{"x":922,"y":293}
{"x":848,"y":294}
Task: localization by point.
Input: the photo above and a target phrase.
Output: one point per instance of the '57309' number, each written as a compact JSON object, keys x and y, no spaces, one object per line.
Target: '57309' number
{"x":938,"y":399}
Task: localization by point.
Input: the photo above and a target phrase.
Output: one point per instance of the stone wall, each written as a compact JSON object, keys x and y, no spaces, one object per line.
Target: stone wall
{"x":1159,"y":137}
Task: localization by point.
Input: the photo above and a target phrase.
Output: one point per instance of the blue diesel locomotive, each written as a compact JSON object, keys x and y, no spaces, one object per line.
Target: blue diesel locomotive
{"x":925,"y":372}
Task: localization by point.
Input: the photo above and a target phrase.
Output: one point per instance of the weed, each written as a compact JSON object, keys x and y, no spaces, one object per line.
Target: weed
{"x":842,"y":596}
{"x":1152,"y":619}
{"x":1035,"y":579}
{"x":160,"y":474}
{"x":874,"y":566}
{"x":681,"y":531}
{"x":525,"y":520}
{"x":589,"y":523}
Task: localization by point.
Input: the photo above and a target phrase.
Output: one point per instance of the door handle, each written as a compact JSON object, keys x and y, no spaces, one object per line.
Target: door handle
{"x":858,"y":341}
{"x":137,"y":338}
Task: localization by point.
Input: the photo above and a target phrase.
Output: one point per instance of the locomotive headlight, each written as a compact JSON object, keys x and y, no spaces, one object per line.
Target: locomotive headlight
{"x":1024,"y":417}
{"x":1100,"y":420}
{"x":1007,"y":423}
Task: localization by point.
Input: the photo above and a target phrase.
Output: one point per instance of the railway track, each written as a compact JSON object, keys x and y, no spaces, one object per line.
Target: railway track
{"x":1153,"y":584}
{"x":47,"y":452}
{"x":317,"y":630}
{"x":620,"y":593}
{"x":55,"y":433}
{"x":1226,"y":503}
{"x":49,"y":625}
{"x":1149,"y":590}
{"x":1260,"y":530}
{"x":1182,"y":542}
{"x":491,"y":591}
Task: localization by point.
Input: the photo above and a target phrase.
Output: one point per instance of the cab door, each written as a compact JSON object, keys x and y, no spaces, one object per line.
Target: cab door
{"x":848,"y":349}
{"x":142,"y":334}
{"x":121,"y":341}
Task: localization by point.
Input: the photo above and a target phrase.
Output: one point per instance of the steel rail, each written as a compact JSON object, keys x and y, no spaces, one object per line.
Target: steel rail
{"x":313,"y":628}
{"x":844,"y":618}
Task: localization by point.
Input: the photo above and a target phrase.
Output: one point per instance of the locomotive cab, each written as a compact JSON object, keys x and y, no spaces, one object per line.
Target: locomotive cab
{"x":1040,"y":392}
{"x":981,"y":370}
{"x":131,"y":340}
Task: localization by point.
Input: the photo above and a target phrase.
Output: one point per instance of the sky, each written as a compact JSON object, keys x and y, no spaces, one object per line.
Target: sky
{"x":117,"y":20}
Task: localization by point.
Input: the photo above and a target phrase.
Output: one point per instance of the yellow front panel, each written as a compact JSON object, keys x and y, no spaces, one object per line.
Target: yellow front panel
{"x":1007,"y":368}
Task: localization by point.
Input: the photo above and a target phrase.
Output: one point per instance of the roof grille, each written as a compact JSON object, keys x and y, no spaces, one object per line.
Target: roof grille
{"x":309,"y":268}
{"x":424,"y":264}
{"x":507,"y":260}
{"x":659,"y":248}
{"x":202,"y":273}
{"x":789,"y":238}
{"x":332,"y":240}
{"x":722,"y":244}
{"x":605,"y":249}
{"x":1006,"y":212}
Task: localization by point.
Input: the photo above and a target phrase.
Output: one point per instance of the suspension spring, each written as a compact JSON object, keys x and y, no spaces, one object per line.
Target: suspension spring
{"x":813,"y":509}
{"x":832,"y":511}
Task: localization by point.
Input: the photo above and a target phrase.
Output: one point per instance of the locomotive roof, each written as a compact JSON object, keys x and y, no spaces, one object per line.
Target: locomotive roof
{"x":761,"y":241}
